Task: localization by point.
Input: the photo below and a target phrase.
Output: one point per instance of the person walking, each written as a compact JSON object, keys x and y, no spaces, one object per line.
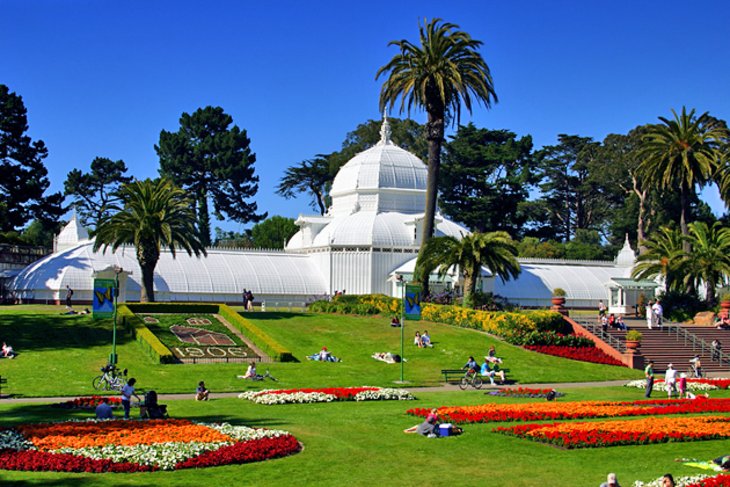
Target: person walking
{"x":716,"y":348}
{"x":649,"y":374}
{"x":658,"y":311}
{"x":649,"y":315}
{"x":670,"y":380}
{"x":69,"y":295}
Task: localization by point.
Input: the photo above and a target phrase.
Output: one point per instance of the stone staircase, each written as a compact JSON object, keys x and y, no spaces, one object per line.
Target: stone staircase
{"x":672,"y":345}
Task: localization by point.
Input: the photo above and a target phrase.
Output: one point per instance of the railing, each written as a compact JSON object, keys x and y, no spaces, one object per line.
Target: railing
{"x":690,"y":338}
{"x":597,"y":330}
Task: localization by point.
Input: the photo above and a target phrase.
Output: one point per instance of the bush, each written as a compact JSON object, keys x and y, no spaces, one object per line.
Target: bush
{"x":680,"y":306}
{"x":149,"y":341}
{"x":551,"y":338}
{"x":559,"y":292}
{"x":366,"y":304}
{"x":634,"y":336}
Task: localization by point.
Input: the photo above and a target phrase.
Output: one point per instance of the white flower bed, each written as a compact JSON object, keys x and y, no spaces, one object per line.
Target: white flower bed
{"x":13,"y":440}
{"x":659,"y":385}
{"x":270,"y":396}
{"x":679,"y":482}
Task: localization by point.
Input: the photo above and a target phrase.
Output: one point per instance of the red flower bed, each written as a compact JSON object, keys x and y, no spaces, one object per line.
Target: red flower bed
{"x":342,"y":393}
{"x":623,"y":432}
{"x":89,"y":402}
{"x":584,"y":354}
{"x":717,"y":481}
{"x":63,"y":462}
{"x":245,"y":452}
{"x":539,"y":411}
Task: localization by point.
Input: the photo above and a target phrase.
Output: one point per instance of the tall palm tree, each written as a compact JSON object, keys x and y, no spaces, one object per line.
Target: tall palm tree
{"x":494,"y":250}
{"x":154,"y":214}
{"x":709,"y":261}
{"x":438,"y":76}
{"x":682,"y":152}
{"x":664,"y":257}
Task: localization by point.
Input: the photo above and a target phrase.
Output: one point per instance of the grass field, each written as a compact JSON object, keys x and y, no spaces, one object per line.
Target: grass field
{"x":344,"y":443}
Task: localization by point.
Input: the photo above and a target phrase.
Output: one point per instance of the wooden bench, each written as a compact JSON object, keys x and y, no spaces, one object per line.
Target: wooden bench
{"x":455,"y":375}
{"x":3,"y":380}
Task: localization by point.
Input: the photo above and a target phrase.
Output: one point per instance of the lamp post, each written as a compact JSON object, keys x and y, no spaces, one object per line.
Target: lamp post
{"x":113,"y":357}
{"x":401,"y":283}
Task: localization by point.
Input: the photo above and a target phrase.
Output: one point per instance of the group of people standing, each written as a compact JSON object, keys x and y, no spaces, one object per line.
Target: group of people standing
{"x":673,"y":382}
{"x":248,"y":298}
{"x":654,"y":314}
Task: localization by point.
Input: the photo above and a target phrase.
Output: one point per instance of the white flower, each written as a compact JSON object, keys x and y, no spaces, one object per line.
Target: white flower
{"x":13,"y":440}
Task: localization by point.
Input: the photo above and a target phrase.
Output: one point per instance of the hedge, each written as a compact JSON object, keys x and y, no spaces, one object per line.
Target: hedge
{"x":263,"y":341}
{"x":257,"y":336}
{"x":150,"y":343}
{"x":368,"y":304}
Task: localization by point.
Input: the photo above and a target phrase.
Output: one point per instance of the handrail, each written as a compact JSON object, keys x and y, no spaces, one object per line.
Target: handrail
{"x":696,"y":342}
{"x":597,"y":330}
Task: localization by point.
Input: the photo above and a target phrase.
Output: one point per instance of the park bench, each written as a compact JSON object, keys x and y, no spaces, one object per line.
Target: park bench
{"x":3,"y":380}
{"x":455,"y":375}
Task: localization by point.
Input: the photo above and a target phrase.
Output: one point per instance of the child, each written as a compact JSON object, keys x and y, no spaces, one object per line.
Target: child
{"x":201,"y":393}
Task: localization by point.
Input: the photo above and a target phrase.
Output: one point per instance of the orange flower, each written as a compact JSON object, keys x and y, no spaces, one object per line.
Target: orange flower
{"x":50,"y":436}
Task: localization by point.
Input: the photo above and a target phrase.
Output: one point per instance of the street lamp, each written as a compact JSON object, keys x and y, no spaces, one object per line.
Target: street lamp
{"x":401,"y":283}
{"x":113,"y":357}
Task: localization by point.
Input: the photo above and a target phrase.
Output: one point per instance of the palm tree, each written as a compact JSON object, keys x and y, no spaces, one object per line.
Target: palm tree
{"x":709,"y":261}
{"x":154,"y":214}
{"x":664,"y":257}
{"x":682,"y":152}
{"x":440,"y":75}
{"x":495,"y":250}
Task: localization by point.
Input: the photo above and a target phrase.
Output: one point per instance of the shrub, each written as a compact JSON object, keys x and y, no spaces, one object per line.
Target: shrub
{"x":550,"y":338}
{"x":149,"y":341}
{"x":680,"y":306}
{"x":261,"y":339}
{"x":559,"y":292}
{"x":634,"y":336}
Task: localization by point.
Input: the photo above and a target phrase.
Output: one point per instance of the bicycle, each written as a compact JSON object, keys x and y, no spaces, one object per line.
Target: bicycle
{"x":109,"y":380}
{"x":472,"y":379}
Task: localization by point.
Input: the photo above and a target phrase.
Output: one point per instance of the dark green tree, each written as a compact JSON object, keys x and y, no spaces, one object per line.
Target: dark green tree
{"x":93,"y":193}
{"x":533,"y":247}
{"x":573,"y":195}
{"x":233,"y":239}
{"x":273,"y":233}
{"x":211,"y":159}
{"x":151,"y":215}
{"x":485,"y":179}
{"x":312,"y":177}
{"x":440,"y":75}
{"x":23,"y":176}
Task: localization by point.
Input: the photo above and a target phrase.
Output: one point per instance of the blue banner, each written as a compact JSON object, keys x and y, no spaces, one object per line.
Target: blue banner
{"x":412,"y":302}
{"x":103,"y":298}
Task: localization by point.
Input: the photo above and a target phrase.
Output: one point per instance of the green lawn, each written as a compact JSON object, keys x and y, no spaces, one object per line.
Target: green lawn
{"x":344,"y":443}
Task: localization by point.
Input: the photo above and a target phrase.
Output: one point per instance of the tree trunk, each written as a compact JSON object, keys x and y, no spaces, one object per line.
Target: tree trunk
{"x":204,"y":219}
{"x":683,"y":217}
{"x":470,"y":284}
{"x":434,"y":136}
{"x":147,"y":256}
{"x":640,"y":223}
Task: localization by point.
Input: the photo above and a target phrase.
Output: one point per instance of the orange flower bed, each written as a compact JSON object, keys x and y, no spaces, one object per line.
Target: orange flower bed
{"x":624,"y":432}
{"x":53,"y":436}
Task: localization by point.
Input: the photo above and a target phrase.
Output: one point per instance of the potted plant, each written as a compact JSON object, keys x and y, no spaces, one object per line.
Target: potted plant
{"x":633,"y":339}
{"x":558,"y":298}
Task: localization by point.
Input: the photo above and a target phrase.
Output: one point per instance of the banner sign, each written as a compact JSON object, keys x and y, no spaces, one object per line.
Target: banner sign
{"x":412,"y":302}
{"x":103,"y":298}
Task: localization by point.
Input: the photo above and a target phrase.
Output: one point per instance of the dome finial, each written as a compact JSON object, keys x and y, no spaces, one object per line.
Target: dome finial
{"x":385,"y":129}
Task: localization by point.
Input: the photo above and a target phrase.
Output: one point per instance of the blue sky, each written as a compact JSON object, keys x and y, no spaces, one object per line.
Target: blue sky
{"x":103,"y":78}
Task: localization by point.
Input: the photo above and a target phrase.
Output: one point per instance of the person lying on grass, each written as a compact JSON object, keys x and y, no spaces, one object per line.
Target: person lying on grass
{"x":323,"y":355}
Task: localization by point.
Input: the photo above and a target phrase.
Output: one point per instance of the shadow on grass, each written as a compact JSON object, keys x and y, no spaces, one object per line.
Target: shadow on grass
{"x":51,"y":482}
{"x":51,"y":332}
{"x":272,"y":315}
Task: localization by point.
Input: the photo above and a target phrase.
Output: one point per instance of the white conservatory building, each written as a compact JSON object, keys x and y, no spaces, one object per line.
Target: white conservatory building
{"x":371,"y":232}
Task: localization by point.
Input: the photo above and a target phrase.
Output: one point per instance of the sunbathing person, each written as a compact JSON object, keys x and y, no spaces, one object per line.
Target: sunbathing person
{"x":7,"y":351}
{"x":323,"y":355}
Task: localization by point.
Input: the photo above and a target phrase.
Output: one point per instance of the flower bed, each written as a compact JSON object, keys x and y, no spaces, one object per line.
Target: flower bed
{"x":88,"y":402}
{"x":717,"y":481}
{"x":135,"y":446}
{"x":538,"y":411}
{"x":584,"y":354}
{"x":625,"y":432}
{"x":694,"y":385}
{"x":329,"y":394}
{"x":684,"y":481}
{"x":524,"y":392}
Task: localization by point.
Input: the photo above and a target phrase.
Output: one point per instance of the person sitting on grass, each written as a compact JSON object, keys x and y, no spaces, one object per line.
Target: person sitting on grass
{"x":417,"y":340}
{"x":250,"y":372}
{"x":426,"y":339}
{"x":7,"y":351}
{"x":104,"y":410}
{"x":487,"y":371}
{"x":201,"y":393}
{"x":429,"y":427}
{"x":323,"y":355}
{"x":395,"y":322}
